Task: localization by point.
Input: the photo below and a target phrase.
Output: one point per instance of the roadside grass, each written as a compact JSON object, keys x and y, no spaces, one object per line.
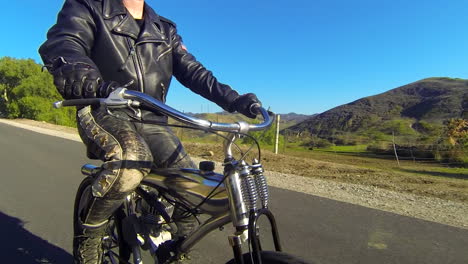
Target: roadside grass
{"x":357,"y":167}
{"x":345,"y":149}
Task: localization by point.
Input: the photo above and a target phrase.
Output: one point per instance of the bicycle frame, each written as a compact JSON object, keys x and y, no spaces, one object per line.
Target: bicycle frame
{"x":243,"y":220}
{"x":239,"y":180}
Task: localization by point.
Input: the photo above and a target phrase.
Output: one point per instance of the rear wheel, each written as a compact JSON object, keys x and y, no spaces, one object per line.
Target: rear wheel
{"x":84,"y":185}
{"x":272,"y":257}
{"x":115,"y":250}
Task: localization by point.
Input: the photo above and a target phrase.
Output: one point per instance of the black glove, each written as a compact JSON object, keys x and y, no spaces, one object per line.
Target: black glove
{"x":243,"y":104}
{"x":106,"y":88}
{"x":75,"y":80}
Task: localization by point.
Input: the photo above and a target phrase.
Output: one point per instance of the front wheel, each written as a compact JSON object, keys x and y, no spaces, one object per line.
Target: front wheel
{"x":272,"y":257}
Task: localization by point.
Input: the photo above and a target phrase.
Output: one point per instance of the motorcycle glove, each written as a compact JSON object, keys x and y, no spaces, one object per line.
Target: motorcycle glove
{"x":75,"y":80}
{"x":244,"y":105}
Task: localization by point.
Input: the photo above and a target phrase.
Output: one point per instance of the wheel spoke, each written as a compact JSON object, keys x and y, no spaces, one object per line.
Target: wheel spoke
{"x":112,"y":255}
{"x":111,"y":245}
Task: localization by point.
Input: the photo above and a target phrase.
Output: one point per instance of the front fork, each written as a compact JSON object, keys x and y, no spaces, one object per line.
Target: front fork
{"x":244,"y":188}
{"x":254,"y":238}
{"x":239,"y":212}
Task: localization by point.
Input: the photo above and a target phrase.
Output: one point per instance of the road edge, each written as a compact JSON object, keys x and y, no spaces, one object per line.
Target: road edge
{"x":421,"y":207}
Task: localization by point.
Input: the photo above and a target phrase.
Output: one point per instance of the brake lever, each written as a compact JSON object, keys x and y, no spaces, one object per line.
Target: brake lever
{"x":116,"y":100}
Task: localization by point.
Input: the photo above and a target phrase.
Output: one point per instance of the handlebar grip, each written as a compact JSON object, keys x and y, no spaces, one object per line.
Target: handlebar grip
{"x":255,"y":108}
{"x":78,"y":102}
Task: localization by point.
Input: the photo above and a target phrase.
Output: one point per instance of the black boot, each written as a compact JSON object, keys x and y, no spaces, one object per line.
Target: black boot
{"x":87,"y":243}
{"x":88,"y":231}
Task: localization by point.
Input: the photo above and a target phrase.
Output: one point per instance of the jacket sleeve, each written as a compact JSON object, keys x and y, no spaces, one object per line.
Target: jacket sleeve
{"x":192,"y":74}
{"x":72,"y":36}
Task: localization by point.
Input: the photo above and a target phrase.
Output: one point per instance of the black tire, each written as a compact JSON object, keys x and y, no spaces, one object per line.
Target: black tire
{"x":114,"y":229}
{"x":273,"y":257}
{"x":83,"y":185}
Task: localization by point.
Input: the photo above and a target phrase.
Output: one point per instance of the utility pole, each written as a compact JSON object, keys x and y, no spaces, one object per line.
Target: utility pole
{"x":277,"y":133}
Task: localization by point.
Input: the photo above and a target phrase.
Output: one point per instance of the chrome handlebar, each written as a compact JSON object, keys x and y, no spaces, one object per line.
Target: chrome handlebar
{"x":123,"y":97}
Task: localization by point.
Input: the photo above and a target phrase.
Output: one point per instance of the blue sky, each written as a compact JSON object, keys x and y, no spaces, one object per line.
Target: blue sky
{"x":303,"y":56}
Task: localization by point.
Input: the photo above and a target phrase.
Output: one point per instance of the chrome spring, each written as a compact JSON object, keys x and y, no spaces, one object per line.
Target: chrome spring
{"x":260,"y":180}
{"x":249,"y":192}
{"x":262,"y":189}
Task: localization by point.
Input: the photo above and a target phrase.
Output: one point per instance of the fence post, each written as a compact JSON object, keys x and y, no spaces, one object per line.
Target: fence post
{"x":394,"y":148}
{"x":277,"y":133}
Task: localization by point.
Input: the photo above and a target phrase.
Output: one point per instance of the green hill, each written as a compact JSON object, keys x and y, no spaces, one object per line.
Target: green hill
{"x":409,"y":109}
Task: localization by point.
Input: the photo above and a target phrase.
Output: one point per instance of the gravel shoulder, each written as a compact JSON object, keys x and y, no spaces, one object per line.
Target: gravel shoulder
{"x":427,"y":208}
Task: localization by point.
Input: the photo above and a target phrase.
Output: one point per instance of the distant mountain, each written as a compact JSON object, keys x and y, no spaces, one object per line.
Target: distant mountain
{"x":291,"y":119}
{"x":225,"y":117}
{"x":431,"y":100}
{"x":286,"y":120}
{"x":297,"y":118}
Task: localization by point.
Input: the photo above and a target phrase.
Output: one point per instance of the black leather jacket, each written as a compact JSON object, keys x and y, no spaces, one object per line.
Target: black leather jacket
{"x":102,"y":33}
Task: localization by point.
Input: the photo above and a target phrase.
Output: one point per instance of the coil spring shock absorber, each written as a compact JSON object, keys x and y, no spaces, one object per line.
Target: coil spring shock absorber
{"x":260,"y":180}
{"x":248,"y":187}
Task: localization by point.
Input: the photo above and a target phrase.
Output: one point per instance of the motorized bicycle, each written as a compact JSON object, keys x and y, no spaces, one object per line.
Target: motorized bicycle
{"x":239,"y":196}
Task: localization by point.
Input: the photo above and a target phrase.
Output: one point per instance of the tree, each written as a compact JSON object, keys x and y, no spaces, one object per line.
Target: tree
{"x":457,"y":132}
{"x":12,"y":72}
{"x":28,"y":92}
{"x":453,"y":146}
{"x":266,"y":137}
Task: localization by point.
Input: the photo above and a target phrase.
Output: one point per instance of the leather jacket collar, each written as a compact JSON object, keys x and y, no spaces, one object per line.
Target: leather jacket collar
{"x":151,"y":31}
{"x":112,"y":8}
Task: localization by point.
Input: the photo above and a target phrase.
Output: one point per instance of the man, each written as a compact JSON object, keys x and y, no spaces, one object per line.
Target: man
{"x":95,"y":46}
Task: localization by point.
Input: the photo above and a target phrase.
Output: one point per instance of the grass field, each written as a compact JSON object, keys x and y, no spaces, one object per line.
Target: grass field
{"x":346,"y":149}
{"x":351,"y":166}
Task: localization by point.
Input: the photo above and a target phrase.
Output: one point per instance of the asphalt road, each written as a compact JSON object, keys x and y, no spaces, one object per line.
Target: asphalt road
{"x":39,"y":175}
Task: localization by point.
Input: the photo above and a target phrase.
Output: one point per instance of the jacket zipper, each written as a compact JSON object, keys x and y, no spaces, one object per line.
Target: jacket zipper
{"x":137,"y":59}
{"x":137,"y":62}
{"x":164,"y":53}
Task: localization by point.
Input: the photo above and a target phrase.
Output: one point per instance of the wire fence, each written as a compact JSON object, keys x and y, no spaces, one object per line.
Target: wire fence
{"x":400,"y":151}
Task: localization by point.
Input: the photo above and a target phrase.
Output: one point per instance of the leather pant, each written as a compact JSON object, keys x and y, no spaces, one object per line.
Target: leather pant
{"x":129,"y":151}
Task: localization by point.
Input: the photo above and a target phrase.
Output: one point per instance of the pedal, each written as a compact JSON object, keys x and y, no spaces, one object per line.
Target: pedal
{"x":163,"y":237}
